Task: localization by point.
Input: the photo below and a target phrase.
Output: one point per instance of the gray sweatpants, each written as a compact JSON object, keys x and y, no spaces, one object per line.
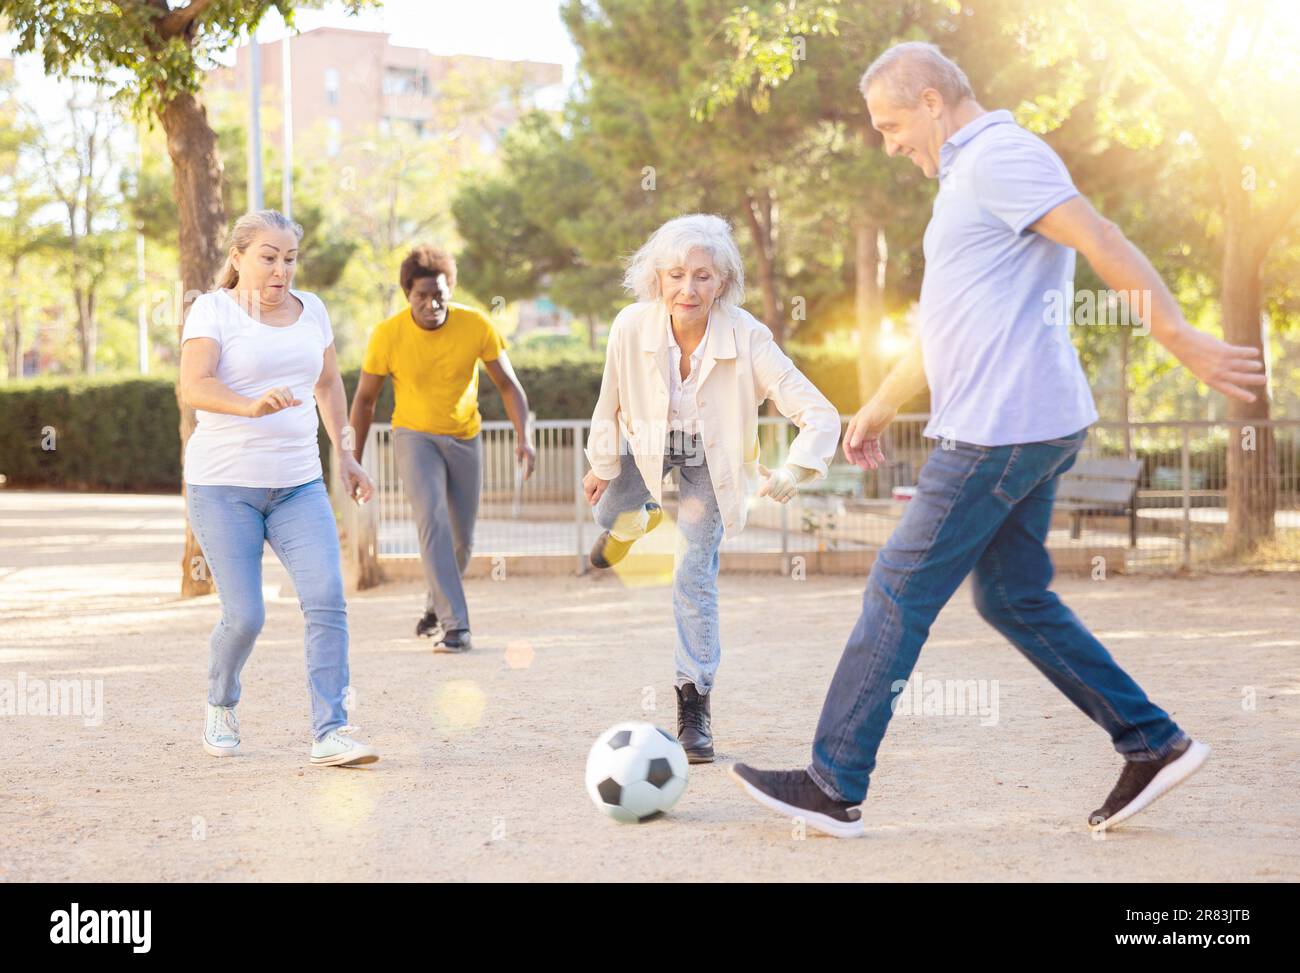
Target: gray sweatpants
{"x":442,"y":477}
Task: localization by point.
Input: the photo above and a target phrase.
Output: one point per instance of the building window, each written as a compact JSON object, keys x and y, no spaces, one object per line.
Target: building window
{"x":335,"y":136}
{"x":401,"y":81}
{"x":331,"y":86}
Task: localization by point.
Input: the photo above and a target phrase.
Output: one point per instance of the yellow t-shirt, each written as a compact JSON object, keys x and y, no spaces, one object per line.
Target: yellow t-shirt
{"x":435,"y":373}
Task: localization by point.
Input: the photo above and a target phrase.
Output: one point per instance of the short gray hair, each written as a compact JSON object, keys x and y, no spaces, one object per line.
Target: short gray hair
{"x":908,"y":69}
{"x":668,"y":247}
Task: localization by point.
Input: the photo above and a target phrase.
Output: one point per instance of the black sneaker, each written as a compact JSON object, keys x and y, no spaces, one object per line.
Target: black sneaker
{"x":609,"y":550}
{"x":457,"y":641}
{"x":795,"y":794}
{"x":1142,"y":781}
{"x":694,"y":729}
{"x":428,"y":626}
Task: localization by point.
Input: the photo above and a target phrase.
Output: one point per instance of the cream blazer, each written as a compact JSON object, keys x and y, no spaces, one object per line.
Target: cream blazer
{"x":741,"y":368}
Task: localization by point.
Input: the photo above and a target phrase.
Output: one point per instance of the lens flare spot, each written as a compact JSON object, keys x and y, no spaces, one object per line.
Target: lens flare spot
{"x":519,"y":654}
{"x":344,"y":800}
{"x":649,"y":564}
{"x":458,"y":706}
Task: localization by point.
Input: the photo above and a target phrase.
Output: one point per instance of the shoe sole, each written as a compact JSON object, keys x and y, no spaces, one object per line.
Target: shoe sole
{"x":602,"y":562}
{"x":447,"y":650}
{"x":599,"y":560}
{"x":1161,"y":784}
{"x":220,"y":751}
{"x":814,"y":819}
{"x":699,"y":758}
{"x":342,"y":760}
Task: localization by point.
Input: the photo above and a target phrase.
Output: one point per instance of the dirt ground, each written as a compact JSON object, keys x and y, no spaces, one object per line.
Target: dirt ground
{"x":483,"y":754}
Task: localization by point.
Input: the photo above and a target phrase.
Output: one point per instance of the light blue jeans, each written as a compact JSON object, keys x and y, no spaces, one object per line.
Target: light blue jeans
{"x":231,"y":524}
{"x":696,"y":561}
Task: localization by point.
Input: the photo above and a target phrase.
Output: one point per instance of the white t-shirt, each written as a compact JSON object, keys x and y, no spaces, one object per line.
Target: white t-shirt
{"x":277,"y":450}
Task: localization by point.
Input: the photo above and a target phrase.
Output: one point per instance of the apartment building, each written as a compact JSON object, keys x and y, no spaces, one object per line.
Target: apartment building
{"x":347,"y":84}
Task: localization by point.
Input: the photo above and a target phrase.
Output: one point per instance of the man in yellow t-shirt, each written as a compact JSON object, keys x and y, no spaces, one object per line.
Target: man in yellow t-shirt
{"x":432,"y":349}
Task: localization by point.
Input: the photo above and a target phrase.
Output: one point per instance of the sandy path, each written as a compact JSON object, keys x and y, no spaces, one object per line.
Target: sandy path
{"x":483,"y":754}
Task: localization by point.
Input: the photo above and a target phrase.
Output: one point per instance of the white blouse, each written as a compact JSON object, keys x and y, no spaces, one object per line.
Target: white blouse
{"x":683,"y":413}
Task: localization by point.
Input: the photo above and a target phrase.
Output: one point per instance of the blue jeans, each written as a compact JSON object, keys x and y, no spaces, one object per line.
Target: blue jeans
{"x":695,"y":563}
{"x":985,"y":509}
{"x":231,"y":524}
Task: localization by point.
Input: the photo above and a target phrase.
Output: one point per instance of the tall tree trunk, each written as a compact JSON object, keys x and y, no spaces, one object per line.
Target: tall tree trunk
{"x":196,"y":185}
{"x":591,"y":331}
{"x":1252,"y":459}
{"x":868,"y":300}
{"x":758,"y":214}
{"x":87,"y":330}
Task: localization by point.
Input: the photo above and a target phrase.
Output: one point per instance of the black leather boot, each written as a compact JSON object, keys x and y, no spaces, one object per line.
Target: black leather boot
{"x":694,"y":732}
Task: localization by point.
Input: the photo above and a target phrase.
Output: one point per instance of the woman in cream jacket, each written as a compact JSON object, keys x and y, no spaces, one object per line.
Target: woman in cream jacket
{"x":686,"y":370}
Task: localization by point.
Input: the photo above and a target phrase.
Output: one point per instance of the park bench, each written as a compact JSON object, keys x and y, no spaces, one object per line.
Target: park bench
{"x":1100,"y":487}
{"x":839,"y":481}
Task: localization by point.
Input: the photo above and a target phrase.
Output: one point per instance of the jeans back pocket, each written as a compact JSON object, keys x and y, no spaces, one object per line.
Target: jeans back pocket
{"x":1029,"y":465}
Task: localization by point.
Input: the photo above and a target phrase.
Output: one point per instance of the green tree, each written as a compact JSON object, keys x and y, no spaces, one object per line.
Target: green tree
{"x":21,"y":236}
{"x":642,"y":66}
{"x":77,"y":165}
{"x":804,"y":61}
{"x":154,"y":56}
{"x":523,"y":227}
{"x":1230,"y":73}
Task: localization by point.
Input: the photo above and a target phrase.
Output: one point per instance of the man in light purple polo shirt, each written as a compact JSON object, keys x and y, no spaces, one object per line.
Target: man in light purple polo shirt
{"x":1011,"y":407}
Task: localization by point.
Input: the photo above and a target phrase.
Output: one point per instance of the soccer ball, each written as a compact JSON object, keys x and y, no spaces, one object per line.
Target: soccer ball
{"x":635,"y":772}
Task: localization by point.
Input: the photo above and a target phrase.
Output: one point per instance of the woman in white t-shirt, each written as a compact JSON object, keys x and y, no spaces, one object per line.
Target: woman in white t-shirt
{"x":257,"y":357}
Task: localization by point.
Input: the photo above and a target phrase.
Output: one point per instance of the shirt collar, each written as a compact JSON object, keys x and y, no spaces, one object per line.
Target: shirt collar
{"x":948,"y":151}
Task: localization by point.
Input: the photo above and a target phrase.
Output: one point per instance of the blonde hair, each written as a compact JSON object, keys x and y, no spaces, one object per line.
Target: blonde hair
{"x":668,"y":247}
{"x":244,"y":232}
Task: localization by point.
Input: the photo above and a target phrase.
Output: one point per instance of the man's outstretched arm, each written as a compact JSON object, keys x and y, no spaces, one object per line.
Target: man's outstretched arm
{"x":1231,"y":369}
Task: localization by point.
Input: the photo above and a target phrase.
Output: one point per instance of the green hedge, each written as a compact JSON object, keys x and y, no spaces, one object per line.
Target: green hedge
{"x":121,"y":433}
{"x":106,"y":434}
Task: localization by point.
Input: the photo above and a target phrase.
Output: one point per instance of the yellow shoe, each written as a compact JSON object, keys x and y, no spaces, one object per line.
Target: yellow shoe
{"x":609,"y":550}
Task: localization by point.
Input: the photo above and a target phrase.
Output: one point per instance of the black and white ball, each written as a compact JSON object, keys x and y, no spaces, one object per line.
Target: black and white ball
{"x":635,"y":772}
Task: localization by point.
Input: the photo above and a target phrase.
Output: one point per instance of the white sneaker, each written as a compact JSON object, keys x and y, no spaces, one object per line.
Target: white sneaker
{"x":337,"y":749}
{"x":221,"y":732}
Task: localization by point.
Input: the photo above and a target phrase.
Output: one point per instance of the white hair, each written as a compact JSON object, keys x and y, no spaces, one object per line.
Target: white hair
{"x":908,"y":69}
{"x":668,"y":247}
